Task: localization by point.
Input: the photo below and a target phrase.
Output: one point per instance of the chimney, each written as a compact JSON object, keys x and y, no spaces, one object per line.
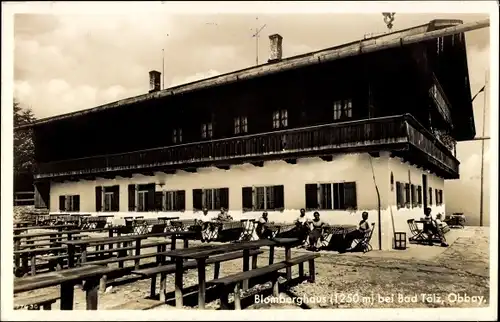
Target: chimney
{"x":276,"y":50}
{"x":154,"y":81}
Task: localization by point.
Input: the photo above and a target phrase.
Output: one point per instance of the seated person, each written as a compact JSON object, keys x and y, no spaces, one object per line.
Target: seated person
{"x":316,"y":226}
{"x":223,"y":215}
{"x":205,"y":226}
{"x":363,"y":228}
{"x":262,"y":230}
{"x":301,"y":229}
{"x":431,"y":228}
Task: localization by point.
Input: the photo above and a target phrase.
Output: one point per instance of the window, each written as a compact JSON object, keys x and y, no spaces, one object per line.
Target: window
{"x":439,"y":197}
{"x":342,"y":109}
{"x":69,"y":203}
{"x":414,"y":196}
{"x":280,"y":119}
{"x":206,"y":131}
{"x":430,"y":196}
{"x":399,"y":195}
{"x":142,"y":200}
{"x":107,"y":198}
{"x":407,"y":195}
{"x":173,"y":200}
{"x":263,"y":198}
{"x":141,"y":197}
{"x":240,"y":125}
{"x":337,"y":196}
{"x":419,"y":196}
{"x":177,"y":136}
{"x":212,"y":199}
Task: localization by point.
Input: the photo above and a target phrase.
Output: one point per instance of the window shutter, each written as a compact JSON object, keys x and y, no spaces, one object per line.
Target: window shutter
{"x":247,"y":198}
{"x":311,"y":196}
{"x":336,"y":196}
{"x":159,"y":201}
{"x":151,"y":197}
{"x":131,"y":197}
{"x":197,"y":199}
{"x":98,"y":199}
{"x":279,"y":197}
{"x":350,"y":197}
{"x":224,"y":198}
{"x":76,"y":203}
{"x":62,"y":203}
{"x":115,"y":206}
{"x":180,"y":202}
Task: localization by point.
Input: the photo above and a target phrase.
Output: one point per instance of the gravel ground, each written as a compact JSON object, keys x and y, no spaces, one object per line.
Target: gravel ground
{"x":454,"y":278}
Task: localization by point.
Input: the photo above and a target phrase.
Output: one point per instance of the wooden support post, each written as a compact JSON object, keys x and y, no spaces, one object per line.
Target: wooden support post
{"x":137,"y":252}
{"x":102,"y":283}
{"x":33,"y":264}
{"x":216,"y":270}
{"x":254,"y":261}
{"x":237,"y":297}
{"x":163,"y":287}
{"x":153,"y":286}
{"x":186,"y":242}
{"x":301,"y":270}
{"x":288,"y":256}
{"x":312,"y":271}
{"x":271,"y":255}
{"x":223,"y":296}
{"x":174,"y":241}
{"x":246,"y":262}
{"x":201,"y":283}
{"x":276,"y":285}
{"x":179,"y":272}
{"x":71,"y":256}
{"x":17,"y":257}
{"x":91,"y":293}
{"x":67,"y":295}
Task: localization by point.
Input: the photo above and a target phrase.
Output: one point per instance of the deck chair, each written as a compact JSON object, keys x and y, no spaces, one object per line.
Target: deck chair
{"x":418,"y":235}
{"x":248,"y":229}
{"x":363,"y":244}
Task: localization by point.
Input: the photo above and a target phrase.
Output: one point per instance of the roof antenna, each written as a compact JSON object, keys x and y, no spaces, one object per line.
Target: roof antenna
{"x":388,"y":19}
{"x":257,"y":35}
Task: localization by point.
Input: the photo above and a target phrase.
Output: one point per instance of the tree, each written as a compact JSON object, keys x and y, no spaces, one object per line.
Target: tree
{"x":23,"y":140}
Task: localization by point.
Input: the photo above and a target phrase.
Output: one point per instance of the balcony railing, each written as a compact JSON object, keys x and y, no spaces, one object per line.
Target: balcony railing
{"x":379,"y":133}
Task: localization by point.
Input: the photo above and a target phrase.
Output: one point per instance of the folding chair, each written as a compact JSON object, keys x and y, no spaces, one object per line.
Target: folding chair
{"x":248,"y":229}
{"x":418,"y":235}
{"x":363,"y":243}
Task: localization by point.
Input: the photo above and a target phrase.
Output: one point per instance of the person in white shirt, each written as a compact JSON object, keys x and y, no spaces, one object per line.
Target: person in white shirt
{"x":432,"y":229}
{"x":205,"y":226}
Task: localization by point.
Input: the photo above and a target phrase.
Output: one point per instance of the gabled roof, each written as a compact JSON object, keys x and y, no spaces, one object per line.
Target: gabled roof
{"x":360,"y":46}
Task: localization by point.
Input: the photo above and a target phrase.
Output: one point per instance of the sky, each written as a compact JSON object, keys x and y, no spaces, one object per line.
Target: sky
{"x":70,"y":62}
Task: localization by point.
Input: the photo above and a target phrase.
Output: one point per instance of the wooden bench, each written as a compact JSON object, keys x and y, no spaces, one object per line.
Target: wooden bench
{"x":53,"y":241}
{"x":36,"y":302}
{"x":60,"y":260}
{"x":233,"y":283}
{"x":190,"y":264}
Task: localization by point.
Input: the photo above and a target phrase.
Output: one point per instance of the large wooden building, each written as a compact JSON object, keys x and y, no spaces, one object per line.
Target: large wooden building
{"x":340,"y":131}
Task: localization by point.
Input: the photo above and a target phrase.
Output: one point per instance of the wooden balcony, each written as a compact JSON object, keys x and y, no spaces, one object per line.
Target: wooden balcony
{"x":400,"y":134}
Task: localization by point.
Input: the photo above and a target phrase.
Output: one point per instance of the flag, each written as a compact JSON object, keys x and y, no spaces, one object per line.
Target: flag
{"x":481,"y":90}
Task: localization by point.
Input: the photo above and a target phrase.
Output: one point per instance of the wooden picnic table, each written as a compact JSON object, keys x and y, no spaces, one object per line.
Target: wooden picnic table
{"x":67,"y":279}
{"x":55,"y":227}
{"x":23,"y":223}
{"x":337,"y":234}
{"x":84,"y":243}
{"x":202,"y":253}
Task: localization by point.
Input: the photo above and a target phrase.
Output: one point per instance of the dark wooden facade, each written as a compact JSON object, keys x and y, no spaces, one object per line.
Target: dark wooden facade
{"x":393,"y":109}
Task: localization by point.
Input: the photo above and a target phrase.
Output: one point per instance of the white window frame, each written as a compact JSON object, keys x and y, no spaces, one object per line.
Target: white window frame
{"x":211,"y":196}
{"x":177,"y":135}
{"x":144,"y":195}
{"x":280,"y":119}
{"x":268,"y":196}
{"x":207,"y":130}
{"x":104,"y":204}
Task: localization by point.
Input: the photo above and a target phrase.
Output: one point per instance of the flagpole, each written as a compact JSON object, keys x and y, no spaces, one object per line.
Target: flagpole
{"x":482,"y":153}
